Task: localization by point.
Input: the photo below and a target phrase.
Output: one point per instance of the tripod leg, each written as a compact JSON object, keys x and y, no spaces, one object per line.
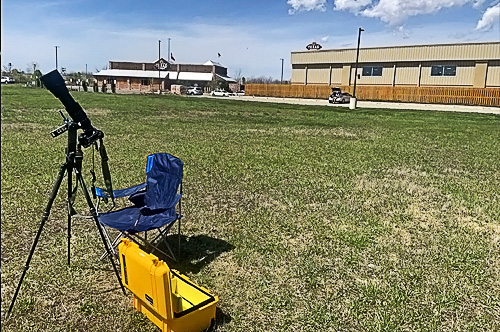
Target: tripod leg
{"x":101,"y":232}
{"x":70,"y":202}
{"x":45,"y":216}
{"x":70,"y":207}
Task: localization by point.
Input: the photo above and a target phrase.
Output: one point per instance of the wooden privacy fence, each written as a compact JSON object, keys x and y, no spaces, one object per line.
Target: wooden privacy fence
{"x":430,"y":95}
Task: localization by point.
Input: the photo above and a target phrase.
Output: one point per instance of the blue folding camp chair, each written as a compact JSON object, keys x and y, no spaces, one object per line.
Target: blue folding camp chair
{"x":156,"y":205}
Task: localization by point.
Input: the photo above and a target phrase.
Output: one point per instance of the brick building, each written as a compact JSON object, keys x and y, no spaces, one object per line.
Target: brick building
{"x":162,"y":74}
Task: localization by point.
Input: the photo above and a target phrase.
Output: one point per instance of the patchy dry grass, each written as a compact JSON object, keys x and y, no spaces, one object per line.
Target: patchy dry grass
{"x":299,"y":218}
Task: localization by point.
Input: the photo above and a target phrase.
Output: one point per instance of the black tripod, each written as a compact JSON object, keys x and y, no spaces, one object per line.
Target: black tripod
{"x":73,"y":163}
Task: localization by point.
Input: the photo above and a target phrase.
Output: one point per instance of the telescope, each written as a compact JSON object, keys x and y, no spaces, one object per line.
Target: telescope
{"x":54,"y":82}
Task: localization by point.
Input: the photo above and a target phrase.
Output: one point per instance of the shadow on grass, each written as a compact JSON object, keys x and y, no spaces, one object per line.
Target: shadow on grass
{"x":196,"y":252}
{"x":221,"y":318}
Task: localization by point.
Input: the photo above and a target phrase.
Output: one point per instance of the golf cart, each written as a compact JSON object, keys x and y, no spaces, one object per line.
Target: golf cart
{"x":337,"y":96}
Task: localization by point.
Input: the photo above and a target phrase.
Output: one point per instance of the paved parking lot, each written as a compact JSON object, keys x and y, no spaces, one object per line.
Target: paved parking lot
{"x":373,"y":104}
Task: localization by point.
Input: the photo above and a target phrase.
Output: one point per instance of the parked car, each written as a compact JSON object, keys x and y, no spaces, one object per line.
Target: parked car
{"x":8,"y":80}
{"x":337,"y":96}
{"x":178,"y":89}
{"x":240,"y":93}
{"x":220,"y":93}
{"x":194,"y":90}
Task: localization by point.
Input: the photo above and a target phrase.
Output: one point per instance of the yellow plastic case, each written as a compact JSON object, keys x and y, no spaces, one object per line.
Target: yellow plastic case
{"x":169,"y":299}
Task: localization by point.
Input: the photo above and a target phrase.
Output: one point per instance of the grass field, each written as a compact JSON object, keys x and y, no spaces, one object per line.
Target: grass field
{"x":299,"y":218}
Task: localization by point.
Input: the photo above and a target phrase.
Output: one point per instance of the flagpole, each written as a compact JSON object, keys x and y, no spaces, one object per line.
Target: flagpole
{"x":169,"y":50}
{"x":159,"y":66}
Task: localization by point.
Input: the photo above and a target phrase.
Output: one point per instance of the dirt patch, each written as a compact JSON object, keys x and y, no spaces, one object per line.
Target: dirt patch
{"x":406,"y":193}
{"x":21,"y":126}
{"x":98,"y":111}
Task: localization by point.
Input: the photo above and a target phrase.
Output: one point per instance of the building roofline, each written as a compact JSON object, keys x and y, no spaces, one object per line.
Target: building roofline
{"x":128,"y":61}
{"x":396,"y":46}
{"x":206,"y":63}
{"x":174,"y":75}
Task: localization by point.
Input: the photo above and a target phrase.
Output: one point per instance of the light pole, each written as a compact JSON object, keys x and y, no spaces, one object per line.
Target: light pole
{"x":169,"y":50}
{"x":56,"y":55}
{"x":282,"y":61}
{"x":353,"y":102}
{"x":159,"y":66}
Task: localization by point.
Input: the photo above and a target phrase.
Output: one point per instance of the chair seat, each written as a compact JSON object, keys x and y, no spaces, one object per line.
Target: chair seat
{"x":138,"y":219}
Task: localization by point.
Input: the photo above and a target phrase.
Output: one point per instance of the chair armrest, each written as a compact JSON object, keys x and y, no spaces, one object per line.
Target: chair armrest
{"x":102,"y":193}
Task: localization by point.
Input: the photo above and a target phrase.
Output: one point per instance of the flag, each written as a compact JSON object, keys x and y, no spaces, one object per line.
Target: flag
{"x":172,"y":57}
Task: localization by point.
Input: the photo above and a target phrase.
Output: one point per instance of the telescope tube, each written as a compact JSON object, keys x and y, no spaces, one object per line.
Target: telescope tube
{"x":54,"y":82}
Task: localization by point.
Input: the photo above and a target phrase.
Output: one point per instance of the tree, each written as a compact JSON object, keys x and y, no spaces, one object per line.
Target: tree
{"x":237,"y":75}
{"x":7,"y":69}
{"x":37,"y":75}
{"x":32,"y":67}
{"x":264,"y":80}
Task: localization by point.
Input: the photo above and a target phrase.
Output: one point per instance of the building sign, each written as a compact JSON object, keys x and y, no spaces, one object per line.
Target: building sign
{"x":314,"y":46}
{"x":161,"y":64}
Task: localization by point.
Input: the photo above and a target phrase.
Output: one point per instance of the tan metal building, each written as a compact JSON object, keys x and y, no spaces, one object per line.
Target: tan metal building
{"x":455,"y":65}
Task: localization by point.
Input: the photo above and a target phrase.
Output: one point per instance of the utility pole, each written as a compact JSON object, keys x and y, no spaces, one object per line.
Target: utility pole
{"x":353,"y":102}
{"x":282,"y":61}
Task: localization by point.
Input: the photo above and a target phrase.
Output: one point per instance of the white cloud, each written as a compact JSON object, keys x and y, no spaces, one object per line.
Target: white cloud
{"x":306,"y":5}
{"x":396,"y":12}
{"x":478,"y":3}
{"x":490,"y":17}
{"x":351,"y":5}
{"x":402,"y":32}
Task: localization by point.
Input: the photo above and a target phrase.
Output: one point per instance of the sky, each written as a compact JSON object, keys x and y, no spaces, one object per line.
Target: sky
{"x":251,"y":36}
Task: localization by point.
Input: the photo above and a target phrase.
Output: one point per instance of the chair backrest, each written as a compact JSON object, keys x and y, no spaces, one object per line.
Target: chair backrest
{"x":164,"y":177}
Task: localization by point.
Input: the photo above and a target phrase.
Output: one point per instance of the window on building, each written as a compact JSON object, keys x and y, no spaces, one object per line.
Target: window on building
{"x":372,"y":71}
{"x":444,"y":70}
{"x":450,"y":70}
{"x":145,"y":81}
